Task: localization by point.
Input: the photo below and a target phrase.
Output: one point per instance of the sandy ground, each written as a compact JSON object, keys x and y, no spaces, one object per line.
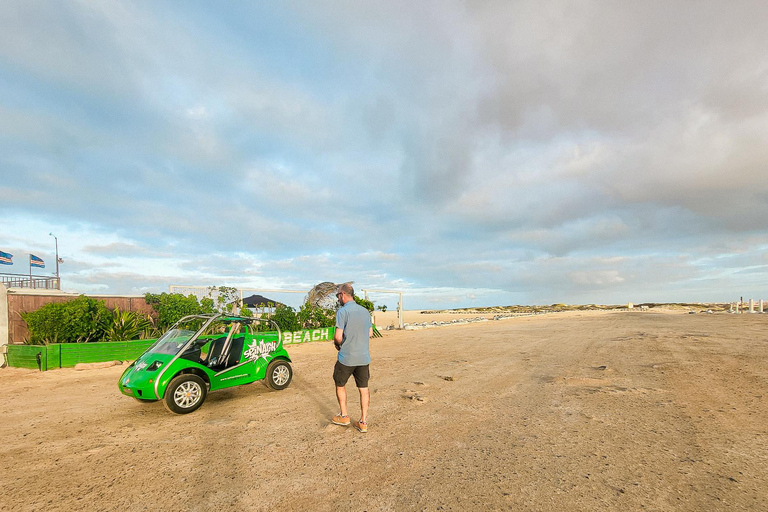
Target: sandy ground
{"x":389,"y":318}
{"x":603,"y":411}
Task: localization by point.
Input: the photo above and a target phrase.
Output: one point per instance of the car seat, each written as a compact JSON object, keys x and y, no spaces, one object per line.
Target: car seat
{"x":235,"y":351}
{"x":214,"y":352}
{"x":220,"y":349}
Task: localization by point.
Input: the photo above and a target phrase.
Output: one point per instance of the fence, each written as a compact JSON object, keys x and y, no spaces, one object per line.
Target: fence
{"x":21,"y":301}
{"x":67,"y":355}
{"x":33,"y":282}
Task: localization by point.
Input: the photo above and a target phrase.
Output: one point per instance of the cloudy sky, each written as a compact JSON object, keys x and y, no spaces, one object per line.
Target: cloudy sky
{"x":467,"y":153}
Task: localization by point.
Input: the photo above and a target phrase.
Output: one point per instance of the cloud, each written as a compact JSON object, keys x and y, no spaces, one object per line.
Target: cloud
{"x":596,"y":277}
{"x":494,"y":151}
{"x":114,"y":249}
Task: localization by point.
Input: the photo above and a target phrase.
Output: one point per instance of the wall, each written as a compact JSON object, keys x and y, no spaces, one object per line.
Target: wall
{"x":23,"y":301}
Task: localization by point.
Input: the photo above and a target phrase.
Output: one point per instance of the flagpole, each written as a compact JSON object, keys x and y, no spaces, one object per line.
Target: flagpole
{"x":58,"y":279}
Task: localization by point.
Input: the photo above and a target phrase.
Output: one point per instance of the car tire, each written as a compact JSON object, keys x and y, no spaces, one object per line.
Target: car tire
{"x":279,"y":374}
{"x":185,"y":394}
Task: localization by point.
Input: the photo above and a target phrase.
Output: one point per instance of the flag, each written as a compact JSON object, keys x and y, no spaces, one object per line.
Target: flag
{"x":6,"y":258}
{"x":34,"y":261}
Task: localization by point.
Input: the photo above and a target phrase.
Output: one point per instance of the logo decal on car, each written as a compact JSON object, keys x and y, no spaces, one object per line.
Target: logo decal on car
{"x":260,"y":349}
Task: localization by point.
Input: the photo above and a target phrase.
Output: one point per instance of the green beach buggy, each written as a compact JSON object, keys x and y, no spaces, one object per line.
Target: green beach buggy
{"x":202,"y":353}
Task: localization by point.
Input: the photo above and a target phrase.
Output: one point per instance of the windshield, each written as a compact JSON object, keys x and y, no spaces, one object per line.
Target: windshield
{"x":171,"y":342}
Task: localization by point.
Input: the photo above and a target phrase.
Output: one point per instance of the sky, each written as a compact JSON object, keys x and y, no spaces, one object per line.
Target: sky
{"x":465,"y":153}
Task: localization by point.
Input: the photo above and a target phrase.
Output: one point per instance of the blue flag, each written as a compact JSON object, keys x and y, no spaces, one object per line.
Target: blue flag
{"x":6,"y":258}
{"x":34,"y":261}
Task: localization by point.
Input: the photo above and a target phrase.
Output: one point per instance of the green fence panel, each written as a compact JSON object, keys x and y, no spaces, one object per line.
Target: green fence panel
{"x":67,"y":355}
{"x":73,"y":353}
{"x":307,"y":335}
{"x":53,"y":356}
{"x":24,"y":356}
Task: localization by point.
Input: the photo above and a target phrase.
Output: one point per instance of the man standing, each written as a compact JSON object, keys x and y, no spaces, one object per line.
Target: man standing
{"x":352,"y":337}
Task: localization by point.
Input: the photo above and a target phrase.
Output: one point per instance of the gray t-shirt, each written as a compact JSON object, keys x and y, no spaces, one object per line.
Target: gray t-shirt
{"x":356,"y":322}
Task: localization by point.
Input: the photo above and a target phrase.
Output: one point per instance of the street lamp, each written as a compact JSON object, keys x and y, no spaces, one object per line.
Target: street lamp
{"x":58,"y":279}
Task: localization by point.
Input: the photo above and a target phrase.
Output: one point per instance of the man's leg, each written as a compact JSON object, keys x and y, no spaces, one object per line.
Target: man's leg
{"x":341,"y":374}
{"x":365,"y":398}
{"x":341,"y":396}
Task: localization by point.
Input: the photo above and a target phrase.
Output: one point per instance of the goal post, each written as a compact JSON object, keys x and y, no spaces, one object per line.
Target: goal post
{"x":399,"y":304}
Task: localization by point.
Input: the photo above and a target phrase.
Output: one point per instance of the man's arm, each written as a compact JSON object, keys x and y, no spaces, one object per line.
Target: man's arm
{"x":338,"y":337}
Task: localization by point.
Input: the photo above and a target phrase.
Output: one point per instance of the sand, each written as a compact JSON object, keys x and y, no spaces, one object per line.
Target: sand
{"x":577,"y":411}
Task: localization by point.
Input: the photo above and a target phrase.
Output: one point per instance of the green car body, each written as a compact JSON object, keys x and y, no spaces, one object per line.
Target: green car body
{"x":202,"y":353}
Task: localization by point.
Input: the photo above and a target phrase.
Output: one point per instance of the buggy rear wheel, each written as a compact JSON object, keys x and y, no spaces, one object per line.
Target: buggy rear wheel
{"x":185,"y":394}
{"x":279,"y":374}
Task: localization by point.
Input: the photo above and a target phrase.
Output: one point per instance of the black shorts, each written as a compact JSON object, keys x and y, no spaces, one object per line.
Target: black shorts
{"x":342,"y":372}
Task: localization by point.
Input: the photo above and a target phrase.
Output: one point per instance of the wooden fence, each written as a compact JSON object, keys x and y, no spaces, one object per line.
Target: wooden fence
{"x":23,"y":302}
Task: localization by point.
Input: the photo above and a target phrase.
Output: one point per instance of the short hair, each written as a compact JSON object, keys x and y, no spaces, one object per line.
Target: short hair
{"x":346,"y":288}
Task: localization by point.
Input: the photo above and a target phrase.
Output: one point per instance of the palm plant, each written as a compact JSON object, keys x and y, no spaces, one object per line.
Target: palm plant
{"x":128,"y":325}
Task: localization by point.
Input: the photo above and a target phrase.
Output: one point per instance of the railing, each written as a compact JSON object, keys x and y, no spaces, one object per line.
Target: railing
{"x":34,"y":282}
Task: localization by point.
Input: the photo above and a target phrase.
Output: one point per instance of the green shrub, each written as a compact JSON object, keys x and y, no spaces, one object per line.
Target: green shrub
{"x":310,"y":317}
{"x":127,"y":325}
{"x":170,"y":307}
{"x":285,"y":318}
{"x":77,"y":321}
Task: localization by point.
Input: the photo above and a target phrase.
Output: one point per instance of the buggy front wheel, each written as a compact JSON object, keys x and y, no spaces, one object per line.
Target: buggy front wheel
{"x":185,"y":394}
{"x":279,"y":374}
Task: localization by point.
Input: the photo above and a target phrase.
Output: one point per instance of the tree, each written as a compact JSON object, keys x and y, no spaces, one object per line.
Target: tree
{"x":170,"y":307}
{"x":227,"y":298}
{"x":365,"y":303}
{"x":310,"y":317}
{"x":285,"y":318}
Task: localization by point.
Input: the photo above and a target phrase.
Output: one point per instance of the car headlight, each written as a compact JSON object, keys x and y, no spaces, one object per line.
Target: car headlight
{"x":154,"y":366}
